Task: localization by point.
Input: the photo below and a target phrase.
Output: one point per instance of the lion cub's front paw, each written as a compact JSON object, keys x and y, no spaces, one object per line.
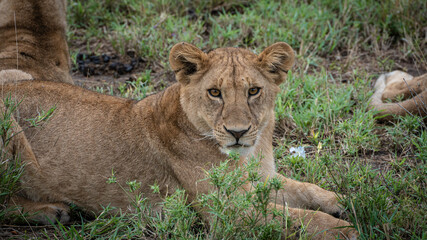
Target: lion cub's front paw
{"x":330,"y":204}
{"x":336,"y":228}
{"x":320,"y":226}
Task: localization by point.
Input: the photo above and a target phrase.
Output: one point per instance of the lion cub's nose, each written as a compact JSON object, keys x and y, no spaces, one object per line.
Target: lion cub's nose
{"x":237,"y":134}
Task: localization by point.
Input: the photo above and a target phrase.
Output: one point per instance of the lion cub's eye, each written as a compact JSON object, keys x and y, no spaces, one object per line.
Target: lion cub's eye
{"x":254,"y":91}
{"x":214,"y":92}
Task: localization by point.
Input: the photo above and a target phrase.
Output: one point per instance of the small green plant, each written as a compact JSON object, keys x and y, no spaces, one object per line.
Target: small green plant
{"x":357,"y":133}
{"x":236,"y":213}
{"x":177,"y":220}
{"x":405,"y":133}
{"x":137,"y":89}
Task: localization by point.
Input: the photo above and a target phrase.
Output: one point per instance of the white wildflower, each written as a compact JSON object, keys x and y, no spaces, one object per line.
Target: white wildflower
{"x":298,"y":152}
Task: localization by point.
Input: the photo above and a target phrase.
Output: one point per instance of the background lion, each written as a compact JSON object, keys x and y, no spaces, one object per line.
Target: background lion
{"x":33,"y":39}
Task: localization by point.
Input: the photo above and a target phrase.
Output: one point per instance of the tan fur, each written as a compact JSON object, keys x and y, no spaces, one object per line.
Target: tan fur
{"x":13,"y":75}
{"x":400,"y":84}
{"x":167,"y":138}
{"x":34,"y":32}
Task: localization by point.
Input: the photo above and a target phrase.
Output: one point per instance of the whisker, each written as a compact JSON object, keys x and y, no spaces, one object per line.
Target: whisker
{"x":207,"y":135}
{"x":16,"y":38}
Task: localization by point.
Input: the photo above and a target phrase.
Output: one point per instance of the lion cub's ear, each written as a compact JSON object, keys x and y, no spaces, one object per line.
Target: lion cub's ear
{"x":185,"y":60}
{"x":277,"y":59}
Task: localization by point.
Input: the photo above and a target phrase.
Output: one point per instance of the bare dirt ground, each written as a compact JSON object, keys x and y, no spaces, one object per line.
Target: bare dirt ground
{"x":106,"y":68}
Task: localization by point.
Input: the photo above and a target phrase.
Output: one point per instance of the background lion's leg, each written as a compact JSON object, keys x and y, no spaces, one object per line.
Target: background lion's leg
{"x":416,"y":105}
{"x":33,"y":38}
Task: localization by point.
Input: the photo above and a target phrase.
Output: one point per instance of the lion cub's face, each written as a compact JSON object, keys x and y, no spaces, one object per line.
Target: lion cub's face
{"x":229,"y":93}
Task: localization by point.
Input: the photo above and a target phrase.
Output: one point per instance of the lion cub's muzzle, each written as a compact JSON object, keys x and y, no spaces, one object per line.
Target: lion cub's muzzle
{"x":239,"y":137}
{"x":237,"y":134}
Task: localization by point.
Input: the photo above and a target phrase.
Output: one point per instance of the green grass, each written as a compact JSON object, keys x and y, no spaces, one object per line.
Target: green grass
{"x":319,"y":28}
{"x":380,"y":168}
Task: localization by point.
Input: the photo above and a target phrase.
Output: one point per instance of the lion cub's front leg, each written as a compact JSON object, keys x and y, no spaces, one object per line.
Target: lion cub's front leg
{"x":318,"y":225}
{"x":306,"y":195}
{"x":297,"y":194}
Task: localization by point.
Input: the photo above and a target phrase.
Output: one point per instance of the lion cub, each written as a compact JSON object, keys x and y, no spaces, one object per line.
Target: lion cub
{"x":227,"y":94}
